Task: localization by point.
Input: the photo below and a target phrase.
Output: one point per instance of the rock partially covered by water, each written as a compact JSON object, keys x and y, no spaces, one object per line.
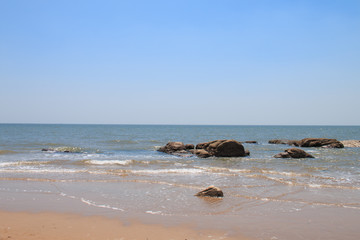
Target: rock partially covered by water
{"x":217,"y":148}
{"x":351,"y":143}
{"x":320,"y":142}
{"x":310,"y":142}
{"x":252,"y":142}
{"x":294,"y":153}
{"x":224,"y":148}
{"x":284,"y":141}
{"x":173,"y":147}
{"x":211,"y":191}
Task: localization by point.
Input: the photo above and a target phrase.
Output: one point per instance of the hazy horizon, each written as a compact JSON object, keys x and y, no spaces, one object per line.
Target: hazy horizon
{"x":180,"y":62}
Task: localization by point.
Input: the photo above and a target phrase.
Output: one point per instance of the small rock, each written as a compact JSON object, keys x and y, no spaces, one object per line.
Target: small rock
{"x":211,"y":191}
{"x":202,"y":153}
{"x":252,"y":142}
{"x":294,"y":153}
{"x":189,"y":146}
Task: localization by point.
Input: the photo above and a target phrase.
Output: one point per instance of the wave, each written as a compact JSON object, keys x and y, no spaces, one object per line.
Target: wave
{"x":109,"y":162}
{"x":4,"y":152}
{"x":65,"y":149}
{"x":94,"y":204}
{"x":121,"y":141}
{"x":171,"y":171}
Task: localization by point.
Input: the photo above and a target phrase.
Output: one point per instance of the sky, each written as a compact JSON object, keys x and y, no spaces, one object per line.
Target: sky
{"x":180,"y":62}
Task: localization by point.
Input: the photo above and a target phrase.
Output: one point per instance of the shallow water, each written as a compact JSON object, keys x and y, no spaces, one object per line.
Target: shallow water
{"x":115,"y":169}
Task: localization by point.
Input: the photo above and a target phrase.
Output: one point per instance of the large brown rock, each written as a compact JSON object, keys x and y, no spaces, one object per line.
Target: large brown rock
{"x":224,"y":148}
{"x":173,"y":147}
{"x":217,"y":148}
{"x":210,"y":192}
{"x":294,"y":153}
{"x":320,"y":142}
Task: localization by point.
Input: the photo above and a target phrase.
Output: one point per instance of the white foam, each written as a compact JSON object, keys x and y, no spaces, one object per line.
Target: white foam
{"x":154,"y":213}
{"x":110,"y":162}
{"x":91,"y":203}
{"x":4,"y":164}
{"x":175,"y":171}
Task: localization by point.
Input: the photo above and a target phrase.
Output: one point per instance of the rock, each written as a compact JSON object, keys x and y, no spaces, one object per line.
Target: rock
{"x":351,"y":143}
{"x":284,"y":141}
{"x":211,"y":191}
{"x":252,"y":142}
{"x":202,"y":145}
{"x":282,"y":155}
{"x":294,"y":153}
{"x":202,"y":153}
{"x":320,"y":142}
{"x":172,"y":147}
{"x":217,"y":148}
{"x":230,"y":148}
{"x":223,"y":148}
{"x":189,"y":146}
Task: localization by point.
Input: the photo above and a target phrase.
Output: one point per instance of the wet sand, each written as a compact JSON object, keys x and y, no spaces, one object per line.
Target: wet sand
{"x":58,"y":226}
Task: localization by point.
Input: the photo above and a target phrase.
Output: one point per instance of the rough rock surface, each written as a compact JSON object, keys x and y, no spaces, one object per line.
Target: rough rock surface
{"x":173,"y":147}
{"x":310,"y":142}
{"x":294,"y":153}
{"x":223,"y":148}
{"x":189,"y":146}
{"x":284,"y":141}
{"x":351,"y":143}
{"x":201,"y":153}
{"x":217,"y":148}
{"x":211,"y":191}
{"x":320,"y":142}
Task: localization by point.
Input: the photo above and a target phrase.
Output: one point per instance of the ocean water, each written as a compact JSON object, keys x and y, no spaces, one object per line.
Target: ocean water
{"x":116,"y":170}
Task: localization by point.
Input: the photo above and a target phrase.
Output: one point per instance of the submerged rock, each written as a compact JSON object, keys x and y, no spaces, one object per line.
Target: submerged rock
{"x":293,"y":153}
{"x":201,"y":153}
{"x":252,"y":142}
{"x":211,"y":191}
{"x":310,"y":142}
{"x":351,"y":143}
{"x":284,"y":141}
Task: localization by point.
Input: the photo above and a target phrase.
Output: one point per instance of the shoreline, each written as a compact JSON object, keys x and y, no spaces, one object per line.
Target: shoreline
{"x":61,"y":226}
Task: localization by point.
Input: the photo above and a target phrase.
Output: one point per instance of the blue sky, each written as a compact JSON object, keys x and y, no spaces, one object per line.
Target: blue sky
{"x":180,"y":62}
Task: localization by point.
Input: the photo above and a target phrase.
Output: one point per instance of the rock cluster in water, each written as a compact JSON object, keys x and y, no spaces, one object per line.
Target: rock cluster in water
{"x":293,"y":153}
{"x":310,"y":142}
{"x":217,"y":148}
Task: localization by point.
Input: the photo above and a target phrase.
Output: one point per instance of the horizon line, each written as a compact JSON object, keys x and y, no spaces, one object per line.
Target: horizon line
{"x":175,"y":124}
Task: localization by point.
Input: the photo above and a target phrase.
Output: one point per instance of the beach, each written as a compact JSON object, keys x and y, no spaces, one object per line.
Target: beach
{"x":113,"y":175}
{"x":61,"y":226}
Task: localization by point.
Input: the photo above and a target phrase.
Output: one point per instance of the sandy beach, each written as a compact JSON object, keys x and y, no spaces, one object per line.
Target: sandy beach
{"x":48,"y":225}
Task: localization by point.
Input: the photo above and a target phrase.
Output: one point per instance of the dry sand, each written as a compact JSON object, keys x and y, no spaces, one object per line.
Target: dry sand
{"x":58,"y":226}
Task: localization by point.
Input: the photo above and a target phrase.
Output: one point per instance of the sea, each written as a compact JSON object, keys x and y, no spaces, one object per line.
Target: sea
{"x":116,"y":171}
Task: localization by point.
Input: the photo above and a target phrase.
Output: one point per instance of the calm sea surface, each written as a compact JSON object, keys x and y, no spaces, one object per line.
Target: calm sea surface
{"x":116,"y":170}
